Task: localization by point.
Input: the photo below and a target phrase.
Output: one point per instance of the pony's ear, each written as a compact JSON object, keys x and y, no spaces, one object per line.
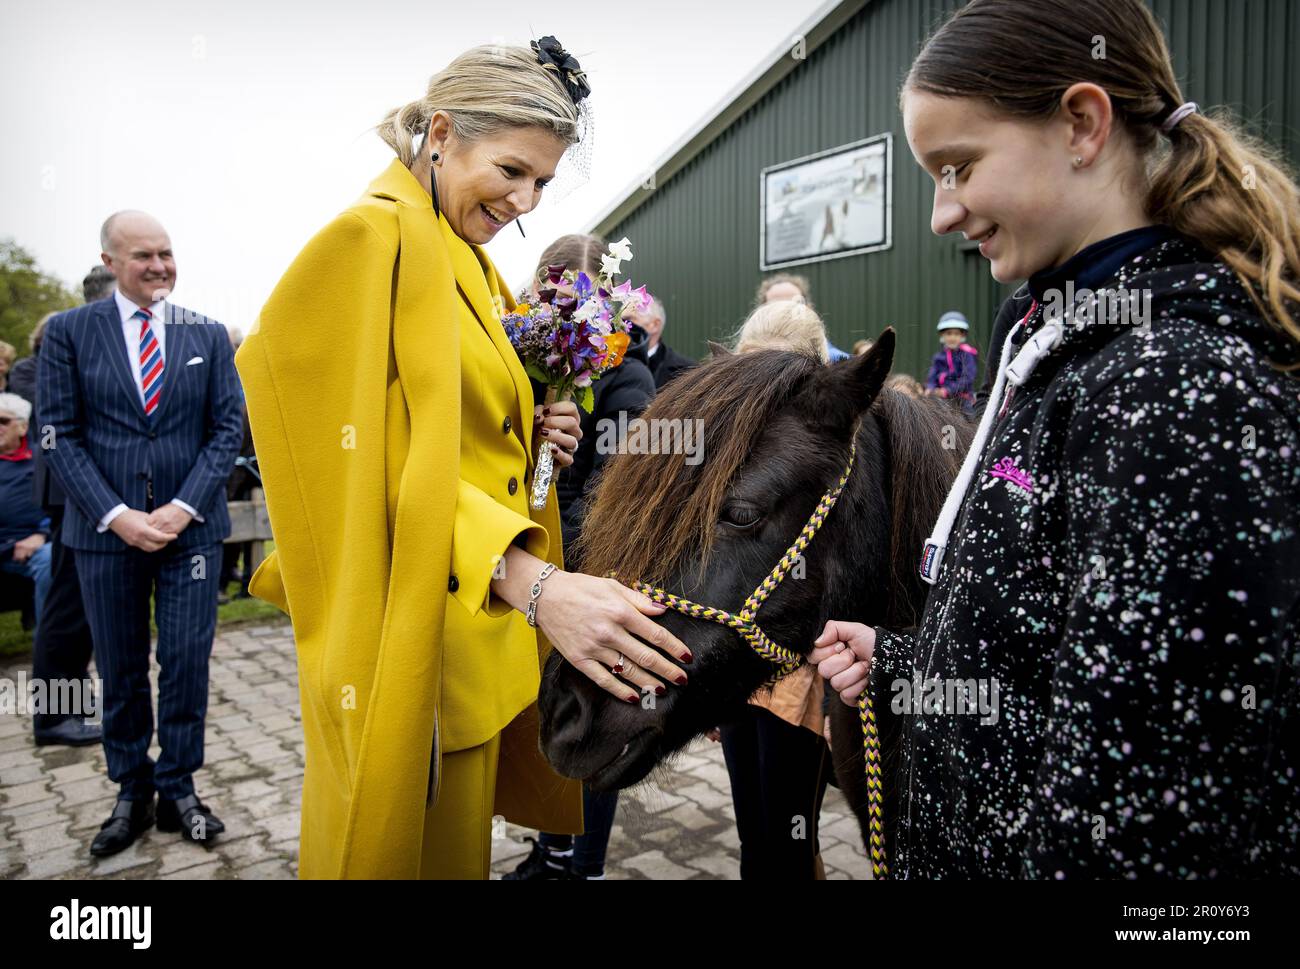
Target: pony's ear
{"x":846,"y":389}
{"x":717,"y":349}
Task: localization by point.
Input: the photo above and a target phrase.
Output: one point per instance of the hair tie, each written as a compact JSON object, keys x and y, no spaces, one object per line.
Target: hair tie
{"x":1178,"y":114}
{"x":553,"y":57}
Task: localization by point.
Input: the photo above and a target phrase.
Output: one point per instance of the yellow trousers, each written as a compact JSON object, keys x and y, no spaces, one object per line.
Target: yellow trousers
{"x":458,"y":828}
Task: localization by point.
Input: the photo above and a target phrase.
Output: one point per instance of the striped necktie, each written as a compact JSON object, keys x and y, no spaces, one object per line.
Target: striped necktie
{"x":151,"y":362}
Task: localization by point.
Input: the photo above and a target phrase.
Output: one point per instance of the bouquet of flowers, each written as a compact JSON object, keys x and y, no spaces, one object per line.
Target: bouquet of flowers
{"x":571,"y":334}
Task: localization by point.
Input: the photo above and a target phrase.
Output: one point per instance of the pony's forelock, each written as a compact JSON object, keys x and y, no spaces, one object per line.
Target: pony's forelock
{"x":647,"y":511}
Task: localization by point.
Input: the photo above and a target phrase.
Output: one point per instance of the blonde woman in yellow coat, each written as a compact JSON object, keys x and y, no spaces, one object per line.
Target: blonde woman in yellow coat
{"x":396,"y":429}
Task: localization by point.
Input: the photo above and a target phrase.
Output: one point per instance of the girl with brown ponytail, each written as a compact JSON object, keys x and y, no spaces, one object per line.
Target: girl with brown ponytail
{"x":1116,"y":562}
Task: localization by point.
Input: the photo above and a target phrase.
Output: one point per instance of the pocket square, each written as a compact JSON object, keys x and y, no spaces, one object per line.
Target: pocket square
{"x":193,"y":360}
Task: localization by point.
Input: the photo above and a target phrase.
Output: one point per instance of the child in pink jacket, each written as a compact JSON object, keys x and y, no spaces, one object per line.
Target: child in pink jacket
{"x":952,"y":372}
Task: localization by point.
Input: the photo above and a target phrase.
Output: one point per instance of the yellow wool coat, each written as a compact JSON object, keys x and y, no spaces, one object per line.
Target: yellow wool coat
{"x":393,"y":427}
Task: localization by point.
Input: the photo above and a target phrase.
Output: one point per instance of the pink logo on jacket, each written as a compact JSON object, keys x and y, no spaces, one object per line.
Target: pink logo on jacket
{"x":1006,"y":468}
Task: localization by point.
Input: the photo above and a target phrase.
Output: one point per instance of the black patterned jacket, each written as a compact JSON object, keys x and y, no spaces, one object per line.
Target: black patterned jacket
{"x":1124,"y":579}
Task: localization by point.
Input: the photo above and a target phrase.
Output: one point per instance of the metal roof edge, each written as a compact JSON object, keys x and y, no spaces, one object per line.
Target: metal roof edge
{"x":815,"y":31}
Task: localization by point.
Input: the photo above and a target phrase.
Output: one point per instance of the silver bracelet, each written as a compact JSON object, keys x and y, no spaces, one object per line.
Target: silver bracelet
{"x":535,"y":593}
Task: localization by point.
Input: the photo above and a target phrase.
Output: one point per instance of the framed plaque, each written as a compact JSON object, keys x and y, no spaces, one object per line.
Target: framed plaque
{"x":829,"y":205}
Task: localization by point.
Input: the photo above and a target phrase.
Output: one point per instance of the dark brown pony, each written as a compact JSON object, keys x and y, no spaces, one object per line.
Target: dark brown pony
{"x":776,"y":433}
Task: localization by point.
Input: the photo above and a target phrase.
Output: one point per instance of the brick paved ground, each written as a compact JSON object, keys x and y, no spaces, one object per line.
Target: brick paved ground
{"x":53,"y":799}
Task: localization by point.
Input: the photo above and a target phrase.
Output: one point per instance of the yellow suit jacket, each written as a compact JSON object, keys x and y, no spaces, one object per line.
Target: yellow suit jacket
{"x":378,"y":380}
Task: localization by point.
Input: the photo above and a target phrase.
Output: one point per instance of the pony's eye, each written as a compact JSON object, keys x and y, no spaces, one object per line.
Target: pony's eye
{"x":741,"y":516}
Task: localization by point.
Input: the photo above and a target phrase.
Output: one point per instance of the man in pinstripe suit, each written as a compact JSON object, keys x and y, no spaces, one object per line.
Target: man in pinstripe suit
{"x":140,"y":410}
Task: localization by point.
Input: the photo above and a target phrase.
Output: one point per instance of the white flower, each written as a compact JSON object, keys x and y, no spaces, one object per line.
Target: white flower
{"x":621,"y":249}
{"x":586,"y":311}
{"x":609,"y":265}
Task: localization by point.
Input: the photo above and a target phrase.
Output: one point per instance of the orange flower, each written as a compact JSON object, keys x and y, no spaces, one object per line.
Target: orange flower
{"x":616,"y":346}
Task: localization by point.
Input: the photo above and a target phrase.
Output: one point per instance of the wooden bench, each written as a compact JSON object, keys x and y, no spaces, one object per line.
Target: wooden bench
{"x":250,"y":523}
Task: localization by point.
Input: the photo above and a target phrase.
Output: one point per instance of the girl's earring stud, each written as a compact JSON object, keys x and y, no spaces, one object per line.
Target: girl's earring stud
{"x":1078,"y":161}
{"x":434,"y":157}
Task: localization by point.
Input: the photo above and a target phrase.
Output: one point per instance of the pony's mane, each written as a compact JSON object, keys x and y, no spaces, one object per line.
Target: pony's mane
{"x":927,"y":439}
{"x":647,"y":511}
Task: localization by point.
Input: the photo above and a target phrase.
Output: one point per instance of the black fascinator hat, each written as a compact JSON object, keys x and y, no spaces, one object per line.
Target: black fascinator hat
{"x":552,"y":56}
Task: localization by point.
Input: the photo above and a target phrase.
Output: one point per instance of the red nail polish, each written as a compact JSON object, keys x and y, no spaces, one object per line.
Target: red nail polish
{"x":660,"y":691}
{"x":632,"y":699}
{"x":688,"y":658}
{"x":680,"y":681}
{"x":546,"y":431}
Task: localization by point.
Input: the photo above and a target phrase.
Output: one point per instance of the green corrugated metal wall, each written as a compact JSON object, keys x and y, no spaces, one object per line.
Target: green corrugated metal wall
{"x":696,"y":235}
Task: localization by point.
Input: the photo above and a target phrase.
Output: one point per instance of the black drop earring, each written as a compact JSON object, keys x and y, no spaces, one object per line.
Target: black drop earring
{"x":433,"y":184}
{"x":433,"y":178}
{"x":520,"y":223}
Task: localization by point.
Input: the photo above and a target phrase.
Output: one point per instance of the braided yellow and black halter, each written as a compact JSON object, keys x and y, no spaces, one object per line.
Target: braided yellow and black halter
{"x":787,"y":661}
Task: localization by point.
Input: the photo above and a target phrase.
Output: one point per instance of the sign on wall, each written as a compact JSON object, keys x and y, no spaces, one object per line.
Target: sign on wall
{"x":828,"y":205}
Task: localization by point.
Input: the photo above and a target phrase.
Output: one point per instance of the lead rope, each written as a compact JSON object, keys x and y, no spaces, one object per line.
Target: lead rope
{"x":787,"y":661}
{"x":875,"y":792}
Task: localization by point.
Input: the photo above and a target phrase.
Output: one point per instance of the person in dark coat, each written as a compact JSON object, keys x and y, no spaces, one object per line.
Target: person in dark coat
{"x":22,"y":375}
{"x":62,"y":645}
{"x":24,"y":527}
{"x":141,"y":399}
{"x":1103,"y":684}
{"x":664,"y":362}
{"x":625,"y":390}
{"x":239,"y":487}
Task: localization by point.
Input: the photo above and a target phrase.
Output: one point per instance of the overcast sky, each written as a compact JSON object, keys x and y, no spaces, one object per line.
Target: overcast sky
{"x":244,"y":126}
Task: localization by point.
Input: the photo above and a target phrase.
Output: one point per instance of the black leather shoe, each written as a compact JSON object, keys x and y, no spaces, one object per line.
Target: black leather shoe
{"x":190,"y":817}
{"x":68,"y":732}
{"x":127,"y":822}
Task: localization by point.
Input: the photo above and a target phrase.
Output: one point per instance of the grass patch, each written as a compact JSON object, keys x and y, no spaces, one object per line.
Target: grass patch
{"x":13,"y":641}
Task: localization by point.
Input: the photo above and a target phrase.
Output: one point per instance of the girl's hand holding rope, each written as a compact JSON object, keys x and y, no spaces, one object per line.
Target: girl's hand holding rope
{"x":843,"y":657}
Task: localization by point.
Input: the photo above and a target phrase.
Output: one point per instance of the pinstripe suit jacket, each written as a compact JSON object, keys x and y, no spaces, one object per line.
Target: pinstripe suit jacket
{"x":105,"y":451}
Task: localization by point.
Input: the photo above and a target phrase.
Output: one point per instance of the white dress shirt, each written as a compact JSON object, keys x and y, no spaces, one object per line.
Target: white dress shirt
{"x":131,"y":337}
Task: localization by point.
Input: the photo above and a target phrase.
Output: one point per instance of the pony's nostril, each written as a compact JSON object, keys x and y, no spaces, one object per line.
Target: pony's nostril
{"x":570,"y":716}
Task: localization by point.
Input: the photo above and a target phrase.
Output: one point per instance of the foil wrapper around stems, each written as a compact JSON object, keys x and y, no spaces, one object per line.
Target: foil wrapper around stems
{"x":544,"y":471}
